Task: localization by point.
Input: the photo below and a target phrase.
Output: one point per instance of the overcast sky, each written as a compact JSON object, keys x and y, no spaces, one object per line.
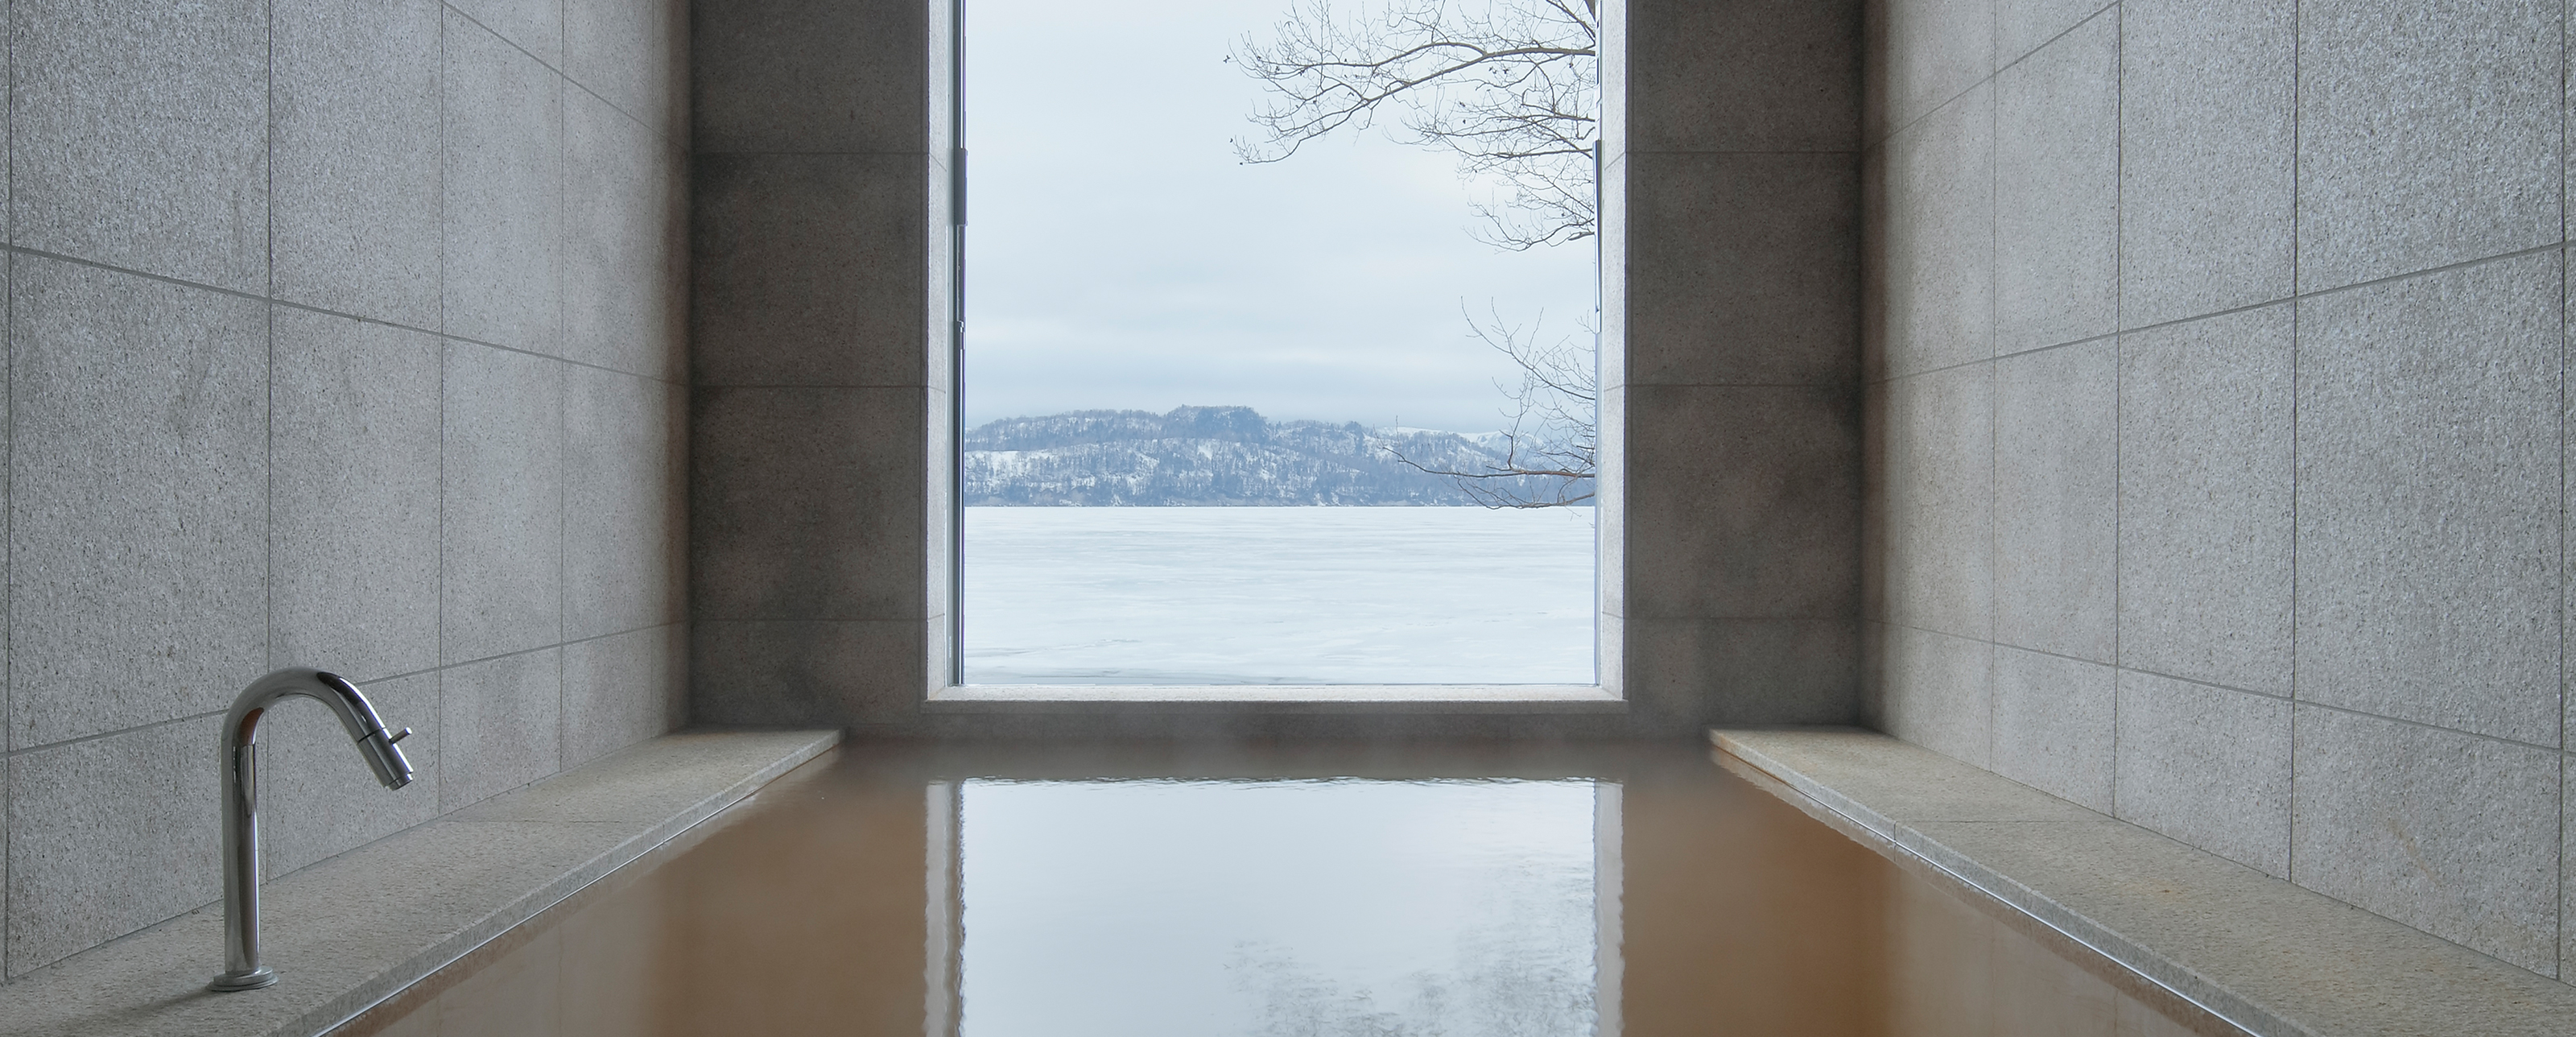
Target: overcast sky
{"x":1119,"y":256}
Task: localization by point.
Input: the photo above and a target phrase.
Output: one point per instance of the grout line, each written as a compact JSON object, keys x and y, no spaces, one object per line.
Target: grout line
{"x":923,"y":153}
{"x":1927,"y":113}
{"x":438,"y":640}
{"x":2290,"y":824}
{"x":8,"y":481}
{"x":560,"y":71}
{"x":239,"y":294}
{"x":2500,"y":257}
{"x":2300,"y":703}
{"x":2119,"y":316}
{"x":2560,"y":960}
{"x":165,"y":722}
{"x":434,"y":670}
{"x":268,"y":379}
{"x":1994,"y":386}
{"x":563,"y":378}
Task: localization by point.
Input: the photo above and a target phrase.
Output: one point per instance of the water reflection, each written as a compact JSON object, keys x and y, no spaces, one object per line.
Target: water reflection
{"x":1278,"y":907}
{"x":1319,"y":891}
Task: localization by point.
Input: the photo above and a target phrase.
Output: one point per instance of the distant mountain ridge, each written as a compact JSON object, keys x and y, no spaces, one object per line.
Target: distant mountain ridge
{"x":1212,"y":456}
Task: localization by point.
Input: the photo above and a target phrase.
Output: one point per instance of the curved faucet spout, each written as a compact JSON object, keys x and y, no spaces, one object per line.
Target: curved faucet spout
{"x":240,"y":749}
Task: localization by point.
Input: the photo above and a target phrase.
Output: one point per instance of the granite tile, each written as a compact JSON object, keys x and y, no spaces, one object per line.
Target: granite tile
{"x":807,"y":270}
{"x":1937,"y":692}
{"x":141,"y":136}
{"x":356,"y":188}
{"x":6,"y":823}
{"x":108,"y":836}
{"x":2428,"y":480}
{"x":2057,"y":190}
{"x":1937,"y":544}
{"x":138,"y":500}
{"x":503,"y":179}
{"x":317,"y":795}
{"x":809,"y":75}
{"x":2207,"y":766}
{"x":501,"y":503}
{"x":2428,"y":134}
{"x":500,"y":725}
{"x":2450,"y":833}
{"x":1917,"y":55}
{"x":1685,"y":674}
{"x":534,"y":26}
{"x":2023,"y":26}
{"x":1930,"y":262}
{"x":798,"y":512}
{"x":622,"y":689}
{"x":1751,"y":502}
{"x":1876,"y":520}
{"x":635,"y":53}
{"x":353,"y":495}
{"x":2053,"y":724}
{"x":1743,"y":269}
{"x":775,"y":673}
{"x":625,"y":244}
{"x":662,"y":781}
{"x":2208,"y":182}
{"x":351,"y":930}
{"x":2285,"y":959}
{"x":2205,"y":495}
{"x":2056,"y":474}
{"x":2281,"y":958}
{"x":625,"y":485}
{"x":1768,"y":75}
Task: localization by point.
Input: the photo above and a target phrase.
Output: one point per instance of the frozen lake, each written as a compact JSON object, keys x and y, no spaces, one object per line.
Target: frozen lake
{"x":1278,"y":596}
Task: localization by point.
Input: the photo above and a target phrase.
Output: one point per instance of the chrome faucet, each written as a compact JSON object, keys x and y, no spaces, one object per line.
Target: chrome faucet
{"x":242,"y":970}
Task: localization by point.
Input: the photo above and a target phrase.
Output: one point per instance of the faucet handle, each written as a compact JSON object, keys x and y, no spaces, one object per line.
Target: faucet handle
{"x":398,"y":736}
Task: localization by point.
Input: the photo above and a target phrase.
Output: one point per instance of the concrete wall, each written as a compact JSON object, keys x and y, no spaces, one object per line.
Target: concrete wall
{"x":2217,"y":430}
{"x":818,"y":358}
{"x":821,"y":330}
{"x":342,"y":333}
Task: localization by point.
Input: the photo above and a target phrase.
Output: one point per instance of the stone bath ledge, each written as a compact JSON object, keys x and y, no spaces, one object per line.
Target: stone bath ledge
{"x":348,"y":931}
{"x":2269,"y":956}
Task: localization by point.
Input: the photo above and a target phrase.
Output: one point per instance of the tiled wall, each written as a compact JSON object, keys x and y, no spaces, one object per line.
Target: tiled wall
{"x":1740,"y":174}
{"x":2217,"y":430}
{"x":814,"y":583}
{"x":819,"y":580}
{"x":343,"y":333}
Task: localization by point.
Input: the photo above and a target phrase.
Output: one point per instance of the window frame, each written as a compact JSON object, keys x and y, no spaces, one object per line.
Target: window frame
{"x":947,"y":692}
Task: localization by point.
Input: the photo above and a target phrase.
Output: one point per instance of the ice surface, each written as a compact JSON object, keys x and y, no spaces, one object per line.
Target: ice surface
{"x":1278,"y":596}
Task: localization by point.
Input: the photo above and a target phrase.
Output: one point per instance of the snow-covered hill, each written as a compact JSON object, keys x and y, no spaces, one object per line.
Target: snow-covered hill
{"x":1213,"y":456}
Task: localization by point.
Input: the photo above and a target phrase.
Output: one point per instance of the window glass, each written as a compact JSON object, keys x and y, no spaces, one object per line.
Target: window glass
{"x":1233,"y":413}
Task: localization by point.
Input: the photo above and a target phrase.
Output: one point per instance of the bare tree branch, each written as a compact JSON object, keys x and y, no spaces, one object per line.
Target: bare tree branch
{"x":1511,"y":89}
{"x":1553,"y":428}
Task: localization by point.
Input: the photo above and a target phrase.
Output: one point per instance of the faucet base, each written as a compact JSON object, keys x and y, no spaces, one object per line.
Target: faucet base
{"x":234,"y":982}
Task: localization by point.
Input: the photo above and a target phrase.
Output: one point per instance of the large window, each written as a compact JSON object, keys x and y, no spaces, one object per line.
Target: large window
{"x":1278,"y":363}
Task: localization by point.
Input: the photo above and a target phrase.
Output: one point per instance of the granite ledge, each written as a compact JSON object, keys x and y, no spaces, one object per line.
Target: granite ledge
{"x":2267,"y":955}
{"x":351,"y":930}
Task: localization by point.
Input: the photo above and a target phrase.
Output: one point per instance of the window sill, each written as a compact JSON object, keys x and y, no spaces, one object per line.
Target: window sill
{"x":1274,"y":698}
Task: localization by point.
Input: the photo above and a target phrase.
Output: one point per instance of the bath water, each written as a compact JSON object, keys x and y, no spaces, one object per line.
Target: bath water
{"x":1184,"y":889}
